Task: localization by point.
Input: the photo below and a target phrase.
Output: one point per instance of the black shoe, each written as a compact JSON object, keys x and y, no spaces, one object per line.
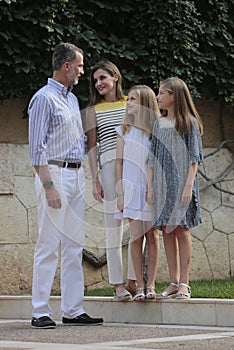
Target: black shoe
{"x":82,"y":320}
{"x":43,"y":322}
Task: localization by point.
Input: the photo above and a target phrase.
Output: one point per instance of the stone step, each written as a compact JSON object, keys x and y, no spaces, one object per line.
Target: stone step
{"x":202,"y":312}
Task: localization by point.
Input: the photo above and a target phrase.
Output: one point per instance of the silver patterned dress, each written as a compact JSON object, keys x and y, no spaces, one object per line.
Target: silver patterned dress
{"x":170,"y":156}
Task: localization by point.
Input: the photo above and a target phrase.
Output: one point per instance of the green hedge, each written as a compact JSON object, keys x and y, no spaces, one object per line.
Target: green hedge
{"x":148,"y":40}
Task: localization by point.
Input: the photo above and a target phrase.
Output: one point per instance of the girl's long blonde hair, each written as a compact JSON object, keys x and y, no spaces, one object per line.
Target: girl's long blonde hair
{"x":149,"y":110}
{"x":184,"y":108}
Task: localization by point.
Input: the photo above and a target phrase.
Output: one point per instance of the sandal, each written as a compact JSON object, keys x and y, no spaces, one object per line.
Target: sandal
{"x":150,"y":293}
{"x":124,"y":295}
{"x":184,"y":295}
{"x":172,"y":294}
{"x":131,"y":290}
{"x":140,"y":295}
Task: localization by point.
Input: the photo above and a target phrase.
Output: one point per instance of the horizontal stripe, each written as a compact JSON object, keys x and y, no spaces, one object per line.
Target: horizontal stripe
{"x":109,"y":115}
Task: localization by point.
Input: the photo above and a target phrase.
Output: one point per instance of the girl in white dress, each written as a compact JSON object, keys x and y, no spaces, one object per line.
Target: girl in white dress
{"x":133,"y":142}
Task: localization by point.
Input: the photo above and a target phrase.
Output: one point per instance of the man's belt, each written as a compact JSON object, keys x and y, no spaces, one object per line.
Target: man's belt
{"x":64,"y":164}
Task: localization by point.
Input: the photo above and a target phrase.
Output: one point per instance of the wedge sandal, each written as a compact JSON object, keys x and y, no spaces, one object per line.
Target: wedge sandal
{"x":124,"y":295}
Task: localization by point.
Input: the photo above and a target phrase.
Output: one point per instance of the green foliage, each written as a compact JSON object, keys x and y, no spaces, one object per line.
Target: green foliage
{"x":191,"y":40}
{"x":148,"y":41}
{"x":28,"y":32}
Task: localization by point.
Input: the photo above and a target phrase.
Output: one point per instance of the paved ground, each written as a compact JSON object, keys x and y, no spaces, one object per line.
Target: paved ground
{"x":19,"y":335}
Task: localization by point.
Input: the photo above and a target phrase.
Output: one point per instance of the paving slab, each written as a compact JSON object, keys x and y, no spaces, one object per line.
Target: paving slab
{"x":17,"y":334}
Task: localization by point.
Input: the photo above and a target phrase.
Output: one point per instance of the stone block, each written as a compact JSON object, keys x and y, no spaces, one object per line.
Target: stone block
{"x":200,"y":266}
{"x":228,"y":199}
{"x":203,"y":230}
{"x":217,"y":250}
{"x":6,"y":171}
{"x":13,"y":225}
{"x":9,"y":269}
{"x":225,"y":312}
{"x":25,"y":191}
{"x":215,"y":164}
{"x":94,"y":227}
{"x":210,"y":198}
{"x":92,"y":275}
{"x":16,"y":261}
{"x":32,"y":225}
{"x":104,"y":272}
{"x":25,"y":257}
{"x":182,"y":312}
{"x":20,"y":158}
{"x":223,"y":219}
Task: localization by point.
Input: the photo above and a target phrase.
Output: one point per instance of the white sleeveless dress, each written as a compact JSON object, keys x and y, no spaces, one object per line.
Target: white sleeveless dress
{"x":136,"y":148}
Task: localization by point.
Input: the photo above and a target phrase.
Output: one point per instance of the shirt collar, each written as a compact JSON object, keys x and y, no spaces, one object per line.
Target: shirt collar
{"x":59,"y":87}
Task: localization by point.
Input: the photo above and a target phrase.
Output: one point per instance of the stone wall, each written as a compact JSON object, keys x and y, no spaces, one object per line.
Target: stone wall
{"x":213,"y":241}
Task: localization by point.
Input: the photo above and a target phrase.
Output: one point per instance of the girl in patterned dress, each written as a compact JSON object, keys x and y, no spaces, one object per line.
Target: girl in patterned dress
{"x":133,"y":142}
{"x":175,"y":153}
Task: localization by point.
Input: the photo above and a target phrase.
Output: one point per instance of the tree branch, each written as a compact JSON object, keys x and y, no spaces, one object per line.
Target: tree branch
{"x":219,"y":178}
{"x":98,"y":262}
{"x":218,"y":149}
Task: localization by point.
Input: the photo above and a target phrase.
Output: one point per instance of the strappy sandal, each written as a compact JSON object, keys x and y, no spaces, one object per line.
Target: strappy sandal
{"x":124,"y":295}
{"x":173,"y":294}
{"x":150,"y":293}
{"x":131,"y":290}
{"x":184,"y":295}
{"x":139,"y":294}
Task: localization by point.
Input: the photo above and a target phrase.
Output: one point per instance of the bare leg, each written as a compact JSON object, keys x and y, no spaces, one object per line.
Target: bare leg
{"x":136,"y":241}
{"x":131,"y":284}
{"x":152,"y":241}
{"x":172,"y":254}
{"x":185,"y":252}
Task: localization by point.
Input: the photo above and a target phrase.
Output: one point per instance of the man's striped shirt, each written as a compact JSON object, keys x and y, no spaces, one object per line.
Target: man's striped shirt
{"x":55,"y":126}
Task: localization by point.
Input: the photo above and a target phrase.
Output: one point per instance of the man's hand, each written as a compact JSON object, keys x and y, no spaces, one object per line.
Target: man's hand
{"x":53,"y":197}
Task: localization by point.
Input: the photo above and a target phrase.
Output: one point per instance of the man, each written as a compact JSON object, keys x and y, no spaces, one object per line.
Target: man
{"x":56,"y":141}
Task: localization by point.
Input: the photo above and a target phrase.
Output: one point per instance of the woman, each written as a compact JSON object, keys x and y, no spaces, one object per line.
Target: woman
{"x":105,"y":112}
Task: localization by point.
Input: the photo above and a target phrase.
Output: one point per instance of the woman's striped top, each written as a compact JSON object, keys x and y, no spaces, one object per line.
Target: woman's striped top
{"x":108,"y":116}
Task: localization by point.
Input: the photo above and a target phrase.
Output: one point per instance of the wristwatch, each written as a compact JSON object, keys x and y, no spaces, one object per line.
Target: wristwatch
{"x":47,"y":184}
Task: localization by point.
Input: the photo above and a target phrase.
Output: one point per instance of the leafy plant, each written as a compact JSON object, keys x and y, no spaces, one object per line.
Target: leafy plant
{"x":147,"y":40}
{"x":191,"y":40}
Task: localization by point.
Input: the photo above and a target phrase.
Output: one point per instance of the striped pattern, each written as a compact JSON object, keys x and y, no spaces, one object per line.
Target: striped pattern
{"x":108,"y":115}
{"x":55,"y":126}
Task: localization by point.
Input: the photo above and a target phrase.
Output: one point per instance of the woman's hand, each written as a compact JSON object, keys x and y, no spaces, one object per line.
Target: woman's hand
{"x":98,"y":192}
{"x":149,"y":197}
{"x":120,"y":202}
{"x":186,"y":195}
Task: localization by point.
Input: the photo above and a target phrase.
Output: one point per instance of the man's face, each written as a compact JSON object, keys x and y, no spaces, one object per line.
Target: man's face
{"x":76,"y":69}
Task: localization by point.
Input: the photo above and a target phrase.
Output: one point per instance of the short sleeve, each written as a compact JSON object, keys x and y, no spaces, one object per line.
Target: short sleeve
{"x":194,"y":143}
{"x":150,"y":160}
{"x":118,"y":129}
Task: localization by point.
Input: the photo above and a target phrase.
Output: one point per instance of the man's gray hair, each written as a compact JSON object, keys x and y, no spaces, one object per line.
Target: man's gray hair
{"x":64,"y":52}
